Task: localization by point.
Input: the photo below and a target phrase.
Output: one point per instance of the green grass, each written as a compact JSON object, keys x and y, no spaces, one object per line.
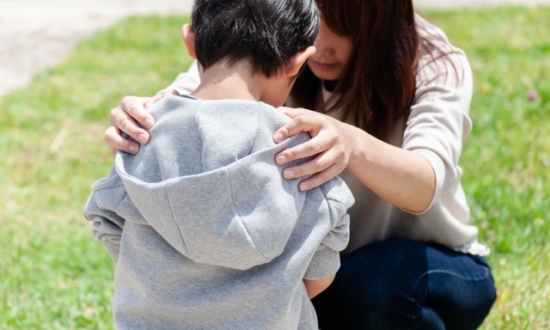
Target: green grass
{"x":506,"y":159}
{"x":54,"y":276}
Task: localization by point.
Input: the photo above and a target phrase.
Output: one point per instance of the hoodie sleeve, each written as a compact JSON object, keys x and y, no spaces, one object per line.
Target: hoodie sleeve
{"x":326,"y":260}
{"x":100,"y":209}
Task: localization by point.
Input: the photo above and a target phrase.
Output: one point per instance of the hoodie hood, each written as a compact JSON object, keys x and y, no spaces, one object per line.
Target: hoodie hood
{"x":208,"y":183}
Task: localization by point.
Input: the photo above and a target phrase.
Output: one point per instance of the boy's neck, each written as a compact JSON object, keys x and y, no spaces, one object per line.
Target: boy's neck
{"x":222,"y":81}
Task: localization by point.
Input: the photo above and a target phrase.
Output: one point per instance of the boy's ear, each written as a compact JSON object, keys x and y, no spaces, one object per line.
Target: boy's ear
{"x":298,"y":60}
{"x":189,"y":39}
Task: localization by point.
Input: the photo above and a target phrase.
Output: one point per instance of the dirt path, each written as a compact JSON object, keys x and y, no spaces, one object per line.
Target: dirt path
{"x":35,"y":34}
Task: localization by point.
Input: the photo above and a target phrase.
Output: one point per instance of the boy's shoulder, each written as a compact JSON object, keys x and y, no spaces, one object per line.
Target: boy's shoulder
{"x":197,"y":136}
{"x":235,"y":121}
{"x":219,"y":110}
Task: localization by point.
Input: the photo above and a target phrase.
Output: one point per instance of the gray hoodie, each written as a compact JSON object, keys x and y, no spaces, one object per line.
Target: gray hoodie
{"x":205,"y":231}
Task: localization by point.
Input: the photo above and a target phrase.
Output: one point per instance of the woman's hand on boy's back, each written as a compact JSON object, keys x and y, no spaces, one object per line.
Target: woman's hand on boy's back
{"x":124,"y":118}
{"x":332,"y":142}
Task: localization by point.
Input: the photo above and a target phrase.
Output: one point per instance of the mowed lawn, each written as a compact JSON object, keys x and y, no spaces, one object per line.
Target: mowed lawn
{"x":54,"y":276}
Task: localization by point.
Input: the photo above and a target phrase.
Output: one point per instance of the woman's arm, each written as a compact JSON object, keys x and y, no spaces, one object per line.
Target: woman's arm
{"x":401,"y":177}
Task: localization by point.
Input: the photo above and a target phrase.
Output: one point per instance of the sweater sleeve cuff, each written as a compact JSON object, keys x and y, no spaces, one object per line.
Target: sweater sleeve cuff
{"x":439,"y":171}
{"x":325,"y":263}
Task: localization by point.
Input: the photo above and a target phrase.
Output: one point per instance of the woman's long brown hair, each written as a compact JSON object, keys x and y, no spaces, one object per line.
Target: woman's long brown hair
{"x":378,"y":85}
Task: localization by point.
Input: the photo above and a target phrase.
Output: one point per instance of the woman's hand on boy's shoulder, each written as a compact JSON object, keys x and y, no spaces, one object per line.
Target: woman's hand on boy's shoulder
{"x":125,"y":118}
{"x":332,"y":143}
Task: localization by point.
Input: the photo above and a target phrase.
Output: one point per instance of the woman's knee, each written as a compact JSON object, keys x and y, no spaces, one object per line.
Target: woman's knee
{"x":390,"y":283}
{"x":463,"y":301}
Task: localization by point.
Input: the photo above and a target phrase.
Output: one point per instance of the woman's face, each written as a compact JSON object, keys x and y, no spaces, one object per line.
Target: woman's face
{"x":332,"y":55}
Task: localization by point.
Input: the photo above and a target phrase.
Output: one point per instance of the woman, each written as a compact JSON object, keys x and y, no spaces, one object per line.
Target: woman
{"x":391,"y":99}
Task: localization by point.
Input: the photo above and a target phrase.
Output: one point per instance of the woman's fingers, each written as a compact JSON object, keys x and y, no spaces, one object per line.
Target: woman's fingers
{"x":303,"y":120}
{"x":310,"y":148}
{"x":135,"y":108}
{"x":117,"y":142}
{"x":320,"y":163}
{"x":300,"y":123}
{"x":122,"y":121}
{"x":329,"y":144}
{"x":321,"y":178}
{"x":124,"y":118}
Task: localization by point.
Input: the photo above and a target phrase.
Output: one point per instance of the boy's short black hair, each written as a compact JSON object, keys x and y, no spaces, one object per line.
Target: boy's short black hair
{"x":269,"y":32}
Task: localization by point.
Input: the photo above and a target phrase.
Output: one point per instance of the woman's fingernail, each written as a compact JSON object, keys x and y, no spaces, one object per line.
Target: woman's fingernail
{"x":303,"y":187}
{"x":281,"y":160}
{"x":134,"y":149}
{"x":278,"y":137}
{"x":143,"y":138}
{"x":149,"y":123}
{"x":289,"y":174}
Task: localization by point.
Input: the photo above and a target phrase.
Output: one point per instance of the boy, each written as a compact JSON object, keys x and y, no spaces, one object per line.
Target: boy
{"x":205,"y":231}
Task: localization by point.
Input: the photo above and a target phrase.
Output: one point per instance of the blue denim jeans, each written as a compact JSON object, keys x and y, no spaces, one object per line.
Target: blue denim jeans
{"x":402,"y":284}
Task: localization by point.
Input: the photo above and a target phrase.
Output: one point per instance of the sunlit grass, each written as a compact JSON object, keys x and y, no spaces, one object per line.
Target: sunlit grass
{"x":506,"y":159}
{"x":54,"y":276}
